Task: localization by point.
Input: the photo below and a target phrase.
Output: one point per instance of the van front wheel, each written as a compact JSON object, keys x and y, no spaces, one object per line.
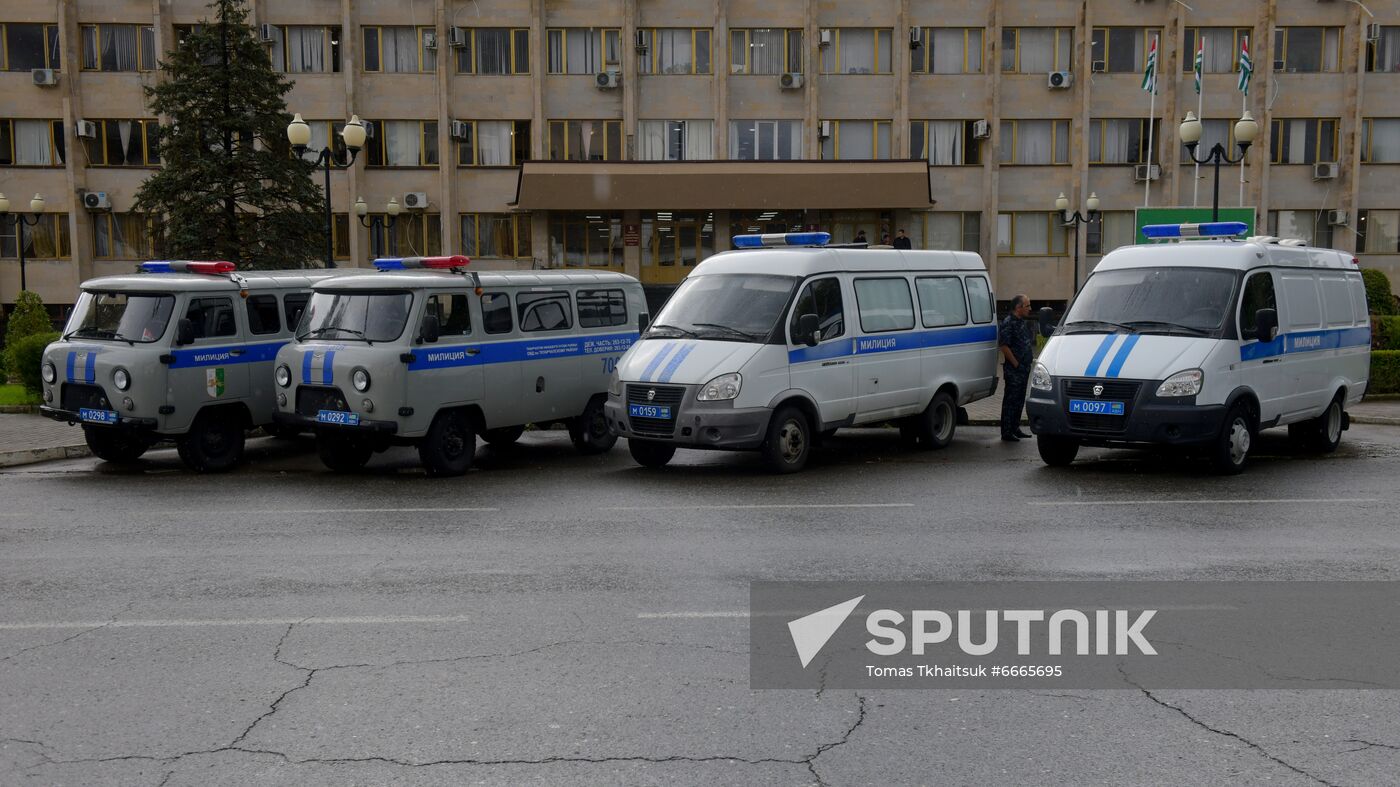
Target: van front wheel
{"x":1231,"y":449}
{"x":650,"y":453}
{"x":214,"y":443}
{"x":590,"y":431}
{"x":789,"y":441}
{"x":343,"y":453}
{"x":449,"y":446}
{"x":1057,"y":451}
{"x":112,"y":445}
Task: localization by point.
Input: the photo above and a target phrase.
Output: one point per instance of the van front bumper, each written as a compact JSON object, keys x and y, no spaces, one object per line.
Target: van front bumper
{"x":697,"y":426}
{"x":307,"y":423}
{"x":123,"y":422}
{"x":1149,"y":420}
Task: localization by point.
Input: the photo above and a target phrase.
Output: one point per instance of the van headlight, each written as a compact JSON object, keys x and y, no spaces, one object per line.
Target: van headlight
{"x":121,"y":378}
{"x":283,"y":376}
{"x":722,"y":388}
{"x":360,"y":379}
{"x":50,"y":373}
{"x":615,"y":384}
{"x":1187,"y":383}
{"x":1040,"y":377}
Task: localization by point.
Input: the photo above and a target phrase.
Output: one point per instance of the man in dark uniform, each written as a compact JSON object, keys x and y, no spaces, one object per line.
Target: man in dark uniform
{"x":902,"y":241}
{"x":1017,"y":350}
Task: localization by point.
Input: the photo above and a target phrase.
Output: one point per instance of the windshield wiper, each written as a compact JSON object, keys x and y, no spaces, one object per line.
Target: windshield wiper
{"x":682,"y":331}
{"x":735,"y":331}
{"x":324,"y":328}
{"x":1129,"y":328}
{"x":1175,"y":326}
{"x":100,"y":333}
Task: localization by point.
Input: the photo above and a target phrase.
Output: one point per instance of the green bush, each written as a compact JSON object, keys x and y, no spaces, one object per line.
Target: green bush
{"x":1379,"y":300}
{"x":1385,"y":372}
{"x":24,"y":357}
{"x":27,"y":318}
{"x":1385,"y":333}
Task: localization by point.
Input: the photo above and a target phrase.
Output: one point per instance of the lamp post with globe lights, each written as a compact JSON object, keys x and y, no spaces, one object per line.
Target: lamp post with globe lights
{"x":391,"y":211}
{"x":36,"y":208}
{"x":1246,"y":129}
{"x":299,"y":134}
{"x":1075,"y":219}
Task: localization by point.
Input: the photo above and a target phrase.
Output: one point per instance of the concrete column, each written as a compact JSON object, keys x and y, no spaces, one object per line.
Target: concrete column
{"x":1079,"y":147}
{"x":630,"y":79}
{"x":632,"y":255}
{"x":991,"y":110}
{"x":539,"y":63}
{"x":447,"y":161}
{"x":1351,"y":132}
{"x":349,"y":68}
{"x":75,"y":164}
{"x":721,"y":80}
{"x":899,"y":39}
{"x":1260,"y":88}
{"x":811,"y":143}
{"x":1169,"y":74}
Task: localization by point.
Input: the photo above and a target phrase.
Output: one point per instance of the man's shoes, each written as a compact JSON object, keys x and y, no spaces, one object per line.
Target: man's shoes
{"x":1011,"y":438}
{"x":1020,"y":434}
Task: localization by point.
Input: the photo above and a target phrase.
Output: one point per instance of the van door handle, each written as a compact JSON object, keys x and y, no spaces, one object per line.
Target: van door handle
{"x":237,"y":352}
{"x":473,"y":351}
{"x":1272,"y":360}
{"x":834,"y":363}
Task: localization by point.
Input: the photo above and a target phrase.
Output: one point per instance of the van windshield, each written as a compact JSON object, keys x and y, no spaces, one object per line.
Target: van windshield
{"x":1186,"y":301}
{"x":362,"y":316}
{"x":739,"y":307}
{"x":120,"y":316}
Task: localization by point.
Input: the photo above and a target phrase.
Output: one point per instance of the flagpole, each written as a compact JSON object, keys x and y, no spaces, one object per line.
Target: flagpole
{"x":1244,"y":107}
{"x":1200,"y":109}
{"x":1151,"y":115}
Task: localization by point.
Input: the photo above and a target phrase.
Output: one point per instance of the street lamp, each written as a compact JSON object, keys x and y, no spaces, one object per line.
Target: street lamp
{"x":391,"y":210}
{"x":1245,"y":132}
{"x":36,"y":207}
{"x":299,"y":134}
{"x":1075,"y":219}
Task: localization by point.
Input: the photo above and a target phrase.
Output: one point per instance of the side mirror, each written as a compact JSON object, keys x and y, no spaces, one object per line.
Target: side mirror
{"x":808,"y":326}
{"x":1047,"y":324}
{"x":643,"y":320}
{"x":184,"y":332}
{"x":1266,"y":325}
{"x":431,"y":330}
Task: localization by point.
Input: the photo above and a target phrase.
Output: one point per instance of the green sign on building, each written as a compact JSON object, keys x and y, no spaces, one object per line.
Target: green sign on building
{"x":1146,"y":216}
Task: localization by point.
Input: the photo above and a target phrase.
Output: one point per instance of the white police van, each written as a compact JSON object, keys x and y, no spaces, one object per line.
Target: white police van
{"x":1202,"y":343}
{"x":424,"y":354}
{"x":182,"y":350}
{"x":772,"y":348}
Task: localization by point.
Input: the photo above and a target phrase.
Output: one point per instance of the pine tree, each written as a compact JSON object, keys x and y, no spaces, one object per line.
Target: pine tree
{"x":229,"y":187}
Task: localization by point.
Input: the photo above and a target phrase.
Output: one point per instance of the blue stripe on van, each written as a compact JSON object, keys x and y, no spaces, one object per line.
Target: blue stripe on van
{"x":90,"y":367}
{"x":1093,"y":369}
{"x":328,"y":368}
{"x":656,"y":361}
{"x":676,"y":361}
{"x":223,"y":356}
{"x":894,"y":342}
{"x":306,"y":367}
{"x":529,"y":350}
{"x":1307,"y":341}
{"x":72,"y":361}
{"x":1122,"y":356}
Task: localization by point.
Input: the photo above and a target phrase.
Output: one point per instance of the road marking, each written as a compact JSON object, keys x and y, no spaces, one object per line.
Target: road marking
{"x":1232,"y":501}
{"x":759,"y":505}
{"x":204,"y":623}
{"x":689,"y":615}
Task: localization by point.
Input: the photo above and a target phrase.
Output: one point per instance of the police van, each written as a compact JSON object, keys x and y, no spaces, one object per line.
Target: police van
{"x":1203,"y":343}
{"x":755,"y":350}
{"x":182,"y":350}
{"x":422,"y":353}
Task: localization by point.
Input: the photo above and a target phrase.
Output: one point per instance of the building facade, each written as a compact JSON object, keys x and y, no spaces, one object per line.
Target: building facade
{"x":639,"y":135}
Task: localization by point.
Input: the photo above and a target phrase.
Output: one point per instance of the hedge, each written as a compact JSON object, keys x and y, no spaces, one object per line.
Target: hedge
{"x":25,"y":355}
{"x":1385,"y":333}
{"x":1379,"y":300}
{"x":1385,"y":372}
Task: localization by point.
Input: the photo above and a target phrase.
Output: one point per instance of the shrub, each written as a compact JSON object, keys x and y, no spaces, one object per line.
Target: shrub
{"x":27,"y":318}
{"x":24,"y":356}
{"x":1379,"y":299}
{"x":1385,"y":372}
{"x":1385,"y":333}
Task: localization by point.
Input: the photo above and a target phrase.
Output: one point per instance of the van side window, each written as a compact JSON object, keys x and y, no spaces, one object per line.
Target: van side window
{"x":292,"y":307}
{"x":1336,"y":301}
{"x":822,"y":298}
{"x":263,"y":314}
{"x":495,"y":312}
{"x":941,"y":301}
{"x":884,"y":305}
{"x":597,"y":308}
{"x":979,"y":297}
{"x":543,"y":311}
{"x":454,"y":318}
{"x":1258,"y":294}
{"x":1301,"y":307}
{"x":211,"y":317}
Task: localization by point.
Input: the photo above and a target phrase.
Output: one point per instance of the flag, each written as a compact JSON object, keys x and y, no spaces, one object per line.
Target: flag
{"x":1200,"y":63}
{"x":1246,"y":67}
{"x":1149,"y":75}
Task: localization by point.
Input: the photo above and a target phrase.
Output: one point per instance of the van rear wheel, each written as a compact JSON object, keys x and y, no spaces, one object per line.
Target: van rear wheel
{"x":115,"y":446}
{"x":650,"y":453}
{"x":503,"y":436}
{"x":449,"y":446}
{"x":934,"y":427}
{"x":343,"y":453}
{"x":214,"y":443}
{"x":590,"y":431}
{"x":789,"y":442}
{"x":1321,"y":434}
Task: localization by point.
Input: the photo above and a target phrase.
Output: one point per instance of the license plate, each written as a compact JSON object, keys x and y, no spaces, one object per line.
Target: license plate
{"x":648,"y":411}
{"x":97,"y":416}
{"x":1095,"y":407}
{"x":338,"y":417}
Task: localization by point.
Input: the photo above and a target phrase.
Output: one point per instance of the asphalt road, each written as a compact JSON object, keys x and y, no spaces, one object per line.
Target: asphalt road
{"x":562,"y":620}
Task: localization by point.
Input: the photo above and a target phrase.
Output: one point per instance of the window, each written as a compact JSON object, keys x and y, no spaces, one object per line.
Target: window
{"x":1109,"y":230}
{"x":601,"y":308}
{"x":884,"y":305}
{"x":1258,"y":294}
{"x":1302,"y":310}
{"x":1303,"y":140}
{"x":494,"y":143}
{"x":211,"y":317}
{"x":452,"y":313}
{"x":495,"y":50}
{"x":495,"y":312}
{"x":1122,"y":141}
{"x":765,"y":140}
{"x":24,"y":47}
{"x":326,"y":134}
{"x":403,"y":143}
{"x":948,"y":50}
{"x":119,"y":48}
{"x":412,"y":235}
{"x":398,"y":49}
{"x":31,"y":143}
{"x":1222,"y":55}
{"x":1213,"y":131}
{"x":858,"y":50}
{"x":1123,"y":50}
{"x":1380,"y":140}
{"x":543,"y":311}
{"x":1036,"y":50}
{"x":822,"y":298}
{"x":583,"y":50}
{"x":1035,"y":142}
{"x":979,"y":299}
{"x":1337,"y":301}
{"x":678,"y":50}
{"x":263,"y":315}
{"x":951,"y":231}
{"x":945,"y":143}
{"x":676,"y":240}
{"x":1310,"y":226}
{"x":1030,"y":233}
{"x":502,"y":235}
{"x":46,"y":240}
{"x":941,"y":301}
{"x":305,"y":49}
{"x":857,"y":139}
{"x":585,"y":140}
{"x":124,"y":143}
{"x":676,"y":140}
{"x":579,"y":240}
{"x":1383,"y":54}
{"x":293,"y":305}
{"x":765,"y":50}
{"x":121,"y":236}
{"x":1307,"y":49}
{"x":1378,"y":231}
{"x":340,"y":231}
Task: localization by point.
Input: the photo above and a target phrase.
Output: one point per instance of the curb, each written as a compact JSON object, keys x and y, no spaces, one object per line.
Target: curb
{"x":19,"y":409}
{"x":33,"y":455}
{"x":1375,"y":420}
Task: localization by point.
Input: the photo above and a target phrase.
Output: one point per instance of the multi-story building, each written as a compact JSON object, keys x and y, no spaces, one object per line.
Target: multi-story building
{"x":639,"y":135}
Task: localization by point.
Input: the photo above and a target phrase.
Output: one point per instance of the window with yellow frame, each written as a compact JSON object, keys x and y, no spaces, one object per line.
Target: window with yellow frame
{"x":493,"y":143}
{"x":398,"y":49}
{"x":1036,"y":50}
{"x":340,"y":236}
{"x":1222,"y":48}
{"x":124,"y":143}
{"x":119,"y":48}
{"x":1302,"y":140}
{"x":32,"y":143}
{"x":403,"y":143}
{"x":1030,"y":234}
{"x":1123,"y":140}
{"x":856,"y":139}
{"x":24,"y":47}
{"x":1380,"y":140}
{"x":494,"y":51}
{"x":496,"y":235}
{"x":1034,"y":142}
{"x":1307,"y":49}
{"x":46,"y":240}
{"x":583,"y":50}
{"x":585,"y":240}
{"x":765,"y":50}
{"x":585,"y":140}
{"x":413,"y":234}
{"x":122,"y":236}
{"x":675,"y":50}
{"x":1123,"y":50}
{"x":858,"y":50}
{"x":948,"y":50}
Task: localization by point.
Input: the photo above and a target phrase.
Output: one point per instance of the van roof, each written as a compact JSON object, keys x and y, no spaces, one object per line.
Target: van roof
{"x":440,"y":279}
{"x":806,"y":261}
{"x":207,"y":282}
{"x":1228,"y":254}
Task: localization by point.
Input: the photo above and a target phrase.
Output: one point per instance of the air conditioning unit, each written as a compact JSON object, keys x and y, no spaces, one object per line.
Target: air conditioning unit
{"x":96,"y":200}
{"x":790,"y":81}
{"x":457,"y":37}
{"x":1143,"y":172}
{"x":608,"y":80}
{"x":981,"y":129}
{"x":1061,"y":80}
{"x":824,"y":129}
{"x":824,"y":38}
{"x":1373,"y":32}
{"x":45,"y":77}
{"x":461,"y":130}
{"x":916,"y":37}
{"x":416,"y":200}
{"x":641,"y":43}
{"x":430,"y":40}
{"x":1337,"y":218}
{"x":86,"y":129}
{"x":1325,"y":170}
{"x":1099,"y":67}
{"x":267,"y":33}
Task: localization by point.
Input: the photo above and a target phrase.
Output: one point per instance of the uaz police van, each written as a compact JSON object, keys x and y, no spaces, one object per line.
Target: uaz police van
{"x":771,"y":348}
{"x":1202,"y":343}
{"x":424,"y":354}
{"x":182,"y":350}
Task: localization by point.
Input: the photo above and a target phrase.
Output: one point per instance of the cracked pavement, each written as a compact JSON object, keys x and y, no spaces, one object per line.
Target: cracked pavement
{"x":281,"y":625}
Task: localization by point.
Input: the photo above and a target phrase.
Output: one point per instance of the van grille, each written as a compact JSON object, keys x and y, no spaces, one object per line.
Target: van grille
{"x":76,"y":396}
{"x":666,"y":396}
{"x":1113,"y":390}
{"x":312,"y":399}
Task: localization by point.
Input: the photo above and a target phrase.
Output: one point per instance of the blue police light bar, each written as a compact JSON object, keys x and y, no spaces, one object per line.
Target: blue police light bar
{"x":187,"y":266}
{"x":782,"y":239}
{"x":1210,"y":229}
